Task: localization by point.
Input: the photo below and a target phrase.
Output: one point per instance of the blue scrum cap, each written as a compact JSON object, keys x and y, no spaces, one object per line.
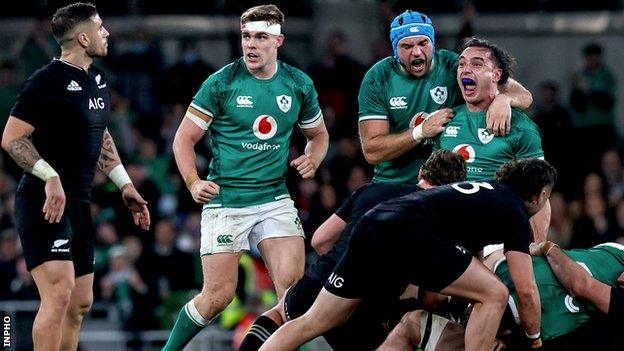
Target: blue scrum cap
{"x":410,"y":24}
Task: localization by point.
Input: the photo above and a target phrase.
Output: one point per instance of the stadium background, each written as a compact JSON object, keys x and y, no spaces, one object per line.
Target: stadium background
{"x":161,"y":51}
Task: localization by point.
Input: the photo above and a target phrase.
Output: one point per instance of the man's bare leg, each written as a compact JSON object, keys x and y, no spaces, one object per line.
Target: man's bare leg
{"x":478,"y":284}
{"x":79,"y":305}
{"x":55,"y":282}
{"x":327,"y":311}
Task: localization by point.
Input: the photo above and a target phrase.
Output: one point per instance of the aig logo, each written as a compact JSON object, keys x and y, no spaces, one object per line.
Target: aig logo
{"x":336,"y":280}
{"x":398,"y":102}
{"x":96,"y":104}
{"x":244,"y":101}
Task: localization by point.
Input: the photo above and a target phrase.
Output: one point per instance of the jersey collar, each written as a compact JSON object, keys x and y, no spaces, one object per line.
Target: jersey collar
{"x":68,"y":63}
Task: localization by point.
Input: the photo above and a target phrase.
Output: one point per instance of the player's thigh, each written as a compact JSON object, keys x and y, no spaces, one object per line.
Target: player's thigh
{"x":226,"y":230}
{"x":41,"y":241}
{"x":83,"y":240}
{"x":477,"y":283}
{"x":54,"y":280}
{"x":220,"y":273}
{"x":300,"y":296}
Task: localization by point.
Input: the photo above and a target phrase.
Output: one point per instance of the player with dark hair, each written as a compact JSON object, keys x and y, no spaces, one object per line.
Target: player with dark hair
{"x":407,"y":98}
{"x":413,"y":239}
{"x":60,"y":120}
{"x":330,"y":240}
{"x":249,"y":108}
{"x":483,"y":67}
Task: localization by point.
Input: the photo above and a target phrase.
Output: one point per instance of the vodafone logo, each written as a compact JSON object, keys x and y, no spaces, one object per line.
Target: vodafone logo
{"x":466,"y":151}
{"x":264,"y":127}
{"x":418,"y":119}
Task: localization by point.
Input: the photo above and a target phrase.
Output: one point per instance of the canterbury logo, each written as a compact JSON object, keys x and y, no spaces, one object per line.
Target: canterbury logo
{"x":244,"y":101}
{"x":224,"y":239}
{"x":398,"y":102}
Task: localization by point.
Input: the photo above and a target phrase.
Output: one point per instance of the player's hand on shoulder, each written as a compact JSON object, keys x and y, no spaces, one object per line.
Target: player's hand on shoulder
{"x":436,"y":122}
{"x":305,"y":166}
{"x":499,"y":115}
{"x":54,"y":205}
{"x":203,"y":191}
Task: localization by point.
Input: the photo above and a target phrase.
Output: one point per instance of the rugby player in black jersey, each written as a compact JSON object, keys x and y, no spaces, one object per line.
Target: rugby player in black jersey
{"x":442,"y":167}
{"x":412,"y":240}
{"x":57,"y":134}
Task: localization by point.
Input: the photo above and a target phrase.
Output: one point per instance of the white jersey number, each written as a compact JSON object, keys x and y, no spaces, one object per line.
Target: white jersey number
{"x":474,"y":187}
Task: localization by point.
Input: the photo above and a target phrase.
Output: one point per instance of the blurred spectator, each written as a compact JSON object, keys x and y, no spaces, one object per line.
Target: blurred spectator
{"x":337,"y":77}
{"x":593,"y":101}
{"x":613,"y":175}
{"x":9,"y":88}
{"x":555,"y":122}
{"x":469,"y":11}
{"x":171,"y":276}
{"x":182,"y":80}
{"x":121,"y":125}
{"x":9,"y":254}
{"x":617,"y":223}
{"x":23,"y":285}
{"x":36,"y":46}
{"x":560,"y":230}
{"x":593,"y":227}
{"x":126,"y":289}
{"x":137,"y":70}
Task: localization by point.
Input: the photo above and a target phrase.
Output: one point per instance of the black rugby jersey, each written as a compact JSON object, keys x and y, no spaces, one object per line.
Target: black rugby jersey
{"x":69,"y":109}
{"x":351,"y":211}
{"x":470,"y":214}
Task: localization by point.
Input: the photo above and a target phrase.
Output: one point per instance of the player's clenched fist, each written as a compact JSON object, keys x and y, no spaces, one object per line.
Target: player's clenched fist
{"x":436,"y":122}
{"x":305,"y":166}
{"x":203,"y":191}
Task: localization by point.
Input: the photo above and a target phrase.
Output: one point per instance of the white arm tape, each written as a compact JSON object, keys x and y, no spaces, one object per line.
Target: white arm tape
{"x":42,"y":170}
{"x":197,"y":120}
{"x":417,"y":133}
{"x":119,"y":176}
{"x":533,"y":336}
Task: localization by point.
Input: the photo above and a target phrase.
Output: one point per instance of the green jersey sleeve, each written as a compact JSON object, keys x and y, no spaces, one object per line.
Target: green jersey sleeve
{"x":208,"y":97}
{"x":526,"y":140}
{"x":371,"y":97}
{"x":310,"y":115}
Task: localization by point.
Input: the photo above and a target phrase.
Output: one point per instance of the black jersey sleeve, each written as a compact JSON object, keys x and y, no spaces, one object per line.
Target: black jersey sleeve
{"x":31,"y":102}
{"x":519,"y":235}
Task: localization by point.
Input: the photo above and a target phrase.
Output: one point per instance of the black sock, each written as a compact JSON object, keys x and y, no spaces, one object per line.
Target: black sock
{"x":258,"y":333}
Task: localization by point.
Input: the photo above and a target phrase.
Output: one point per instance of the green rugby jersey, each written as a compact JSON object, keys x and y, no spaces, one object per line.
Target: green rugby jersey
{"x":389,"y":93}
{"x":484,"y":153}
{"x":252,"y":123}
{"x":562,"y":313}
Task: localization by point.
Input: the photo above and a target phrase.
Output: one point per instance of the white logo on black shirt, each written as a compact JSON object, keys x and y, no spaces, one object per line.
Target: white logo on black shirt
{"x":73,"y":86}
{"x":96,"y":104}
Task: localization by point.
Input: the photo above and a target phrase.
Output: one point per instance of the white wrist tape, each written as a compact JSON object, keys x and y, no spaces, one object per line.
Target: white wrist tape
{"x":417,"y":133}
{"x":119,"y":176}
{"x":533,"y":336}
{"x":42,"y":170}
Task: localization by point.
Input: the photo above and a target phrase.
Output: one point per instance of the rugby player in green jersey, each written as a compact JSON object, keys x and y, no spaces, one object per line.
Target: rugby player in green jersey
{"x":482,"y":68}
{"x":249,"y":107}
{"x":406,"y":98}
{"x":573,"y":286}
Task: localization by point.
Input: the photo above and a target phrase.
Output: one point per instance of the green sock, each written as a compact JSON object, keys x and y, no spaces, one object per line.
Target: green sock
{"x":188,"y":324}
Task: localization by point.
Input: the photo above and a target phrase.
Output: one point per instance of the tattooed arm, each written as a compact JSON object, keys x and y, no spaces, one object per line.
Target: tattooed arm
{"x":109,"y":157}
{"x":110,"y":164}
{"x":16,"y":143}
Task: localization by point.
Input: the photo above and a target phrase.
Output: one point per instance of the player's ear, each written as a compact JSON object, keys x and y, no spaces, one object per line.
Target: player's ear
{"x":496,"y":75}
{"x":83,"y":39}
{"x":280,"y":40}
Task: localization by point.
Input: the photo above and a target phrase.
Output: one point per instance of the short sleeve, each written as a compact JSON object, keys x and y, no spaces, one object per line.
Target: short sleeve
{"x":310,"y":115}
{"x":207,"y":98}
{"x":371,"y":99}
{"x":30,"y":104}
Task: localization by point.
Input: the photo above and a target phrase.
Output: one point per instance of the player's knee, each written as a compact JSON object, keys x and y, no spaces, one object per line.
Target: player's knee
{"x":498,"y":294}
{"x":211,"y":303}
{"x":410,"y":325}
{"x":80,"y":307}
